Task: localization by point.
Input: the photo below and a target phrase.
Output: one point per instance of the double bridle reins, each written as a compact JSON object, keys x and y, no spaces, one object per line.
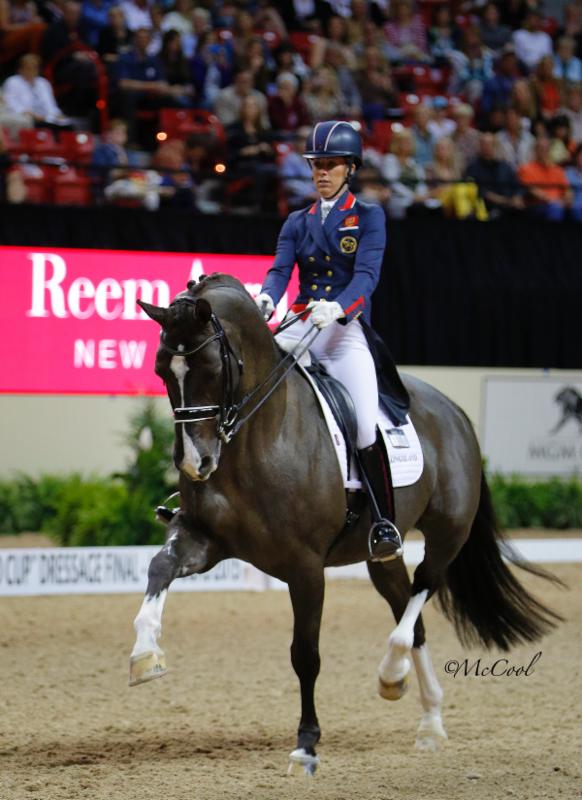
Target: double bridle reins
{"x":228,"y":412}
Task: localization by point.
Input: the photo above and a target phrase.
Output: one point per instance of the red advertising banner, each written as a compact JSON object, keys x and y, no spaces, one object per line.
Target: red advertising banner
{"x":69,"y":323}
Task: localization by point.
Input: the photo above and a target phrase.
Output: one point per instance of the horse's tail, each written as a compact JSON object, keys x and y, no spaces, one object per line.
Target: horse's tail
{"x":481,"y":596}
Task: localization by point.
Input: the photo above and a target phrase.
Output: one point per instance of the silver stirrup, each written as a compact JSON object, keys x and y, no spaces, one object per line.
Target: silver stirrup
{"x":385,"y":523}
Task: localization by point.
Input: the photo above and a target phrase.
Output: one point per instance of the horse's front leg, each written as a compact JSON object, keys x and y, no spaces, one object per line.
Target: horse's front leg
{"x":307,"y":592}
{"x":184,"y":553}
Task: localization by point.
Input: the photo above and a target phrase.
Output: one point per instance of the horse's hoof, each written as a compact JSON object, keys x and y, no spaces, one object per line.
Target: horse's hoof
{"x":146,"y":666}
{"x":393,"y":691}
{"x":431,"y":734}
{"x":301,"y":759}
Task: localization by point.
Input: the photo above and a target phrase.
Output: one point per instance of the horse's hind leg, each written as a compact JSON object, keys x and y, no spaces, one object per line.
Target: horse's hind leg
{"x":408,"y":639}
{"x":183,"y":554}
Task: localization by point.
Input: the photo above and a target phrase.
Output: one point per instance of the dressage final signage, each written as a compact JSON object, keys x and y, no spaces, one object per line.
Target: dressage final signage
{"x":533,"y":426}
{"x":70,"y":323}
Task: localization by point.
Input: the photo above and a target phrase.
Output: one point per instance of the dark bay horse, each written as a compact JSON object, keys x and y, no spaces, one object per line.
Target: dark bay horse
{"x":261,"y":482}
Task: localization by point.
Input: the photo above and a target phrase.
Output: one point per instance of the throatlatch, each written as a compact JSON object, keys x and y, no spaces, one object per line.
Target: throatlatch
{"x":384,"y":542}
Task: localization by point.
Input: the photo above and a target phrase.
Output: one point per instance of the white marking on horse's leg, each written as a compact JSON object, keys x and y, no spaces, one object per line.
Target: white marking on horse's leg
{"x":148,"y":624}
{"x":431,"y":729}
{"x":191,"y":460}
{"x":396,"y":664}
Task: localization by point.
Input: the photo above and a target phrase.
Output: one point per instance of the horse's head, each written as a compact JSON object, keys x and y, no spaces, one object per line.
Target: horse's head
{"x":201,"y":366}
{"x":569,"y":399}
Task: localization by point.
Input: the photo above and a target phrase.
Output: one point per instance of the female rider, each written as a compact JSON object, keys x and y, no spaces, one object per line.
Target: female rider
{"x":338,"y":244}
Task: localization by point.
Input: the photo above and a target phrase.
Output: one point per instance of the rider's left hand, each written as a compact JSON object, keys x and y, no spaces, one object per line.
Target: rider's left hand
{"x":324,"y":313}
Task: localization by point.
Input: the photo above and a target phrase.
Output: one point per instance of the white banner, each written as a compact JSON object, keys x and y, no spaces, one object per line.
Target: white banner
{"x":108,"y":570}
{"x":533,"y":426}
{"x":120,"y":570}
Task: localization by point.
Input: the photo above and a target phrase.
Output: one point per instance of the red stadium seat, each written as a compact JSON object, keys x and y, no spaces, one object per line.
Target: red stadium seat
{"x":38,"y":143}
{"x":77,"y":146}
{"x":71,"y":188}
{"x":178,"y":123}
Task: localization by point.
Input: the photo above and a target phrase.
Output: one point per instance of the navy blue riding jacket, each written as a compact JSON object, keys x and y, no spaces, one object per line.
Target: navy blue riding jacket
{"x":340,"y":260}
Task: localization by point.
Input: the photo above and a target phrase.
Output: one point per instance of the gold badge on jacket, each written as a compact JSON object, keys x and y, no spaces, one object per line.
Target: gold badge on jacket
{"x":348,"y":244}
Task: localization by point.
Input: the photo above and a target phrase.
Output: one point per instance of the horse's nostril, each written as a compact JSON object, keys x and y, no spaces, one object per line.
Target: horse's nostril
{"x":205,"y":463}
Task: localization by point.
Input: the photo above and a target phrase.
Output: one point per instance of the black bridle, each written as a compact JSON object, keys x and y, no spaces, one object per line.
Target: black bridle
{"x":228,"y":412}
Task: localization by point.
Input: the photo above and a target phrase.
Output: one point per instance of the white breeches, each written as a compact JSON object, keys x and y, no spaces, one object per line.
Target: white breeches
{"x":343,"y":351}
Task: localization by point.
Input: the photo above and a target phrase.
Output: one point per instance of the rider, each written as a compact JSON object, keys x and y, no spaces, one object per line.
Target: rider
{"x":338,"y":244}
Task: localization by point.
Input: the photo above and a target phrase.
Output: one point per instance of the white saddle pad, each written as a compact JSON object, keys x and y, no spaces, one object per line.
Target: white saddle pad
{"x":402,"y":444}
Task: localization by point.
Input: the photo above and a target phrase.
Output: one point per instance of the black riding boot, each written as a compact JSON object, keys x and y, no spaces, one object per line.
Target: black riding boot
{"x":385,"y":541}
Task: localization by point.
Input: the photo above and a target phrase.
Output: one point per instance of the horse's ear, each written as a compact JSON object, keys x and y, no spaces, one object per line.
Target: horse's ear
{"x":157,"y":313}
{"x":203,"y":310}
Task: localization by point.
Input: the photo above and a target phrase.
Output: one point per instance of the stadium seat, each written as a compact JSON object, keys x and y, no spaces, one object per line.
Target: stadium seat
{"x":178,"y":123}
{"x":302,"y":42}
{"x":38,"y":183}
{"x":71,"y":188}
{"x":77,"y":146}
{"x":37,"y":143}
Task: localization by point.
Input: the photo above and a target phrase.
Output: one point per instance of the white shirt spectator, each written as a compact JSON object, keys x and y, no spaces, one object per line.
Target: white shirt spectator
{"x":515,"y":151}
{"x":441,"y":128}
{"x":23,"y":97}
{"x":136,"y":16}
{"x":531,"y":46}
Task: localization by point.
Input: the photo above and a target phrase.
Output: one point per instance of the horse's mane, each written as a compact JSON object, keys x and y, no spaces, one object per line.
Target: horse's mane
{"x":215,"y":281}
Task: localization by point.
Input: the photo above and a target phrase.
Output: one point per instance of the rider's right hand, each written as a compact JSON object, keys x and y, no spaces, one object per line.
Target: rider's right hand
{"x":266,"y":305}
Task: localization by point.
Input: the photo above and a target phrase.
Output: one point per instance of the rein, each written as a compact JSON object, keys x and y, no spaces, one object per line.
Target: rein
{"x":229,"y":411}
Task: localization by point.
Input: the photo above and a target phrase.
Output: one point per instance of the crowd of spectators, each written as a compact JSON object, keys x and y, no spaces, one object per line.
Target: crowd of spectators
{"x":467,"y":109}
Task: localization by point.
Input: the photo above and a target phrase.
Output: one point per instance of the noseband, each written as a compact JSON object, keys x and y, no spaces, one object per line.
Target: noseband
{"x":228,"y":412}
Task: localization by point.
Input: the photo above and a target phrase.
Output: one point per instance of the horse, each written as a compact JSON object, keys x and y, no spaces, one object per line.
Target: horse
{"x":571,"y":402}
{"x":259,"y":481}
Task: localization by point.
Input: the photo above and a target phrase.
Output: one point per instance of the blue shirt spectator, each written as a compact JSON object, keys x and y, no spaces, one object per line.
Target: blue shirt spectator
{"x":567,"y":66}
{"x":94,"y":18}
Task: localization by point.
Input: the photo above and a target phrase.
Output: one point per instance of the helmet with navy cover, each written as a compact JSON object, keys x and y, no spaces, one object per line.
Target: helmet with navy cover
{"x":334,"y":138}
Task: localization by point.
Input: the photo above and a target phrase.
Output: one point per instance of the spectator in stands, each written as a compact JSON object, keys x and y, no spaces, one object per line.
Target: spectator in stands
{"x":406,"y":33}
{"x":201,"y":158}
{"x":545,"y":87}
{"x":142,"y":82}
{"x":424,"y":141}
{"x":94,"y":18}
{"x":440,"y":124}
{"x":176,"y":188}
{"x":495,"y":178}
{"x":252,"y":156}
{"x":156,"y":32}
{"x":243,"y":32}
{"x":111,"y":151}
{"x":377,"y":89}
{"x":28,"y":94}
{"x":523,"y":100}
{"x":374,"y":37}
{"x":179,"y":18}
{"x":574,"y":175}
{"x":497,"y":89}
{"x":531,"y":42}
{"x":572,"y":26}
{"x":561,"y":143}
{"x":322,"y":96}
{"x":76,"y":69}
{"x":137,"y":14}
{"x":465,"y":136}
{"x":211,"y":69}
{"x":294,"y":173}
{"x":351,"y":98}
{"x":228,"y":101}
{"x":356,"y":22}
{"x":567,"y":67}
{"x":304,"y":15}
{"x":115,"y":38}
{"x":253,"y":59}
{"x":443,"y":171}
{"x":176,"y":67}
{"x":287,"y":111}
{"x":370,"y":186}
{"x":405,"y":176}
{"x":472,"y":66}
{"x":494,"y":34}
{"x":573,"y":110}
{"x":443,"y":36}
{"x":548,"y":192}
{"x":514,"y":141}
{"x":12,"y":186}
{"x":287,"y":59}
{"x":21,"y":29}
{"x":11,"y":121}
{"x":336,"y":33}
